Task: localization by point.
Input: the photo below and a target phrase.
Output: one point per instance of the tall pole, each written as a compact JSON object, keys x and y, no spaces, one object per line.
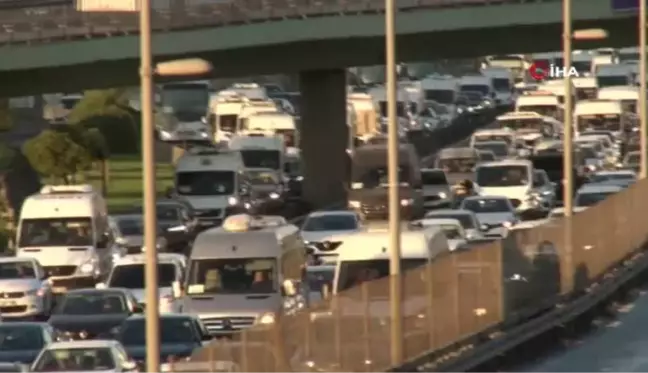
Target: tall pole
{"x":568,"y":182}
{"x":394,"y":197}
{"x":642,"y":89}
{"x":568,"y":131}
{"x":148,"y":167}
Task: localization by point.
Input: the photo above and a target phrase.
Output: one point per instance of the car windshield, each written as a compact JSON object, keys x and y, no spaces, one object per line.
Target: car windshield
{"x":499,"y":149}
{"x":501,"y":84}
{"x":441,"y":96}
{"x":483,"y":137}
{"x":205,"y":183}
{"x":261,"y":159}
{"x":583,"y":67}
{"x":75,"y":360}
{"x":433,"y":178}
{"x":173,"y":330}
{"x":610,"y":81}
{"x":131,"y":226}
{"x":481,"y":88}
{"x":189,"y":101}
{"x":486,"y":156}
{"x":502,"y":176}
{"x":354,"y":273}
{"x":131,"y":276}
{"x":591,"y":199}
{"x":486,"y":205}
{"x":610,"y":122}
{"x":465,"y":220}
{"x":232,"y":276}
{"x":55,"y":232}
{"x":589,"y":152}
{"x":17,"y":269}
{"x":338,"y":222}
{"x":263,"y":177}
{"x":93,"y":303}
{"x":318,"y":278}
{"x":21,"y":337}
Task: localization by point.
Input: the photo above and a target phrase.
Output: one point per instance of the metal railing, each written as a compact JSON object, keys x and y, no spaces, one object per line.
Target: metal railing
{"x":463,"y":297}
{"x":44,"y":21}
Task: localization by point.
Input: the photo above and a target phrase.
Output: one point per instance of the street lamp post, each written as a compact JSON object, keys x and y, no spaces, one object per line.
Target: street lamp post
{"x":395,"y":285}
{"x":642,"y":89}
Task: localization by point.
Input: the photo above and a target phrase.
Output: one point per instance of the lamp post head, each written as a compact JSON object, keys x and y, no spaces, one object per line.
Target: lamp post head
{"x":183,"y":67}
{"x":590,"y":34}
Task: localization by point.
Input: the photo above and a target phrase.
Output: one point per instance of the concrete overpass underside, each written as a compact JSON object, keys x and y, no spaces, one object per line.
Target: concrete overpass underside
{"x":109,"y":62}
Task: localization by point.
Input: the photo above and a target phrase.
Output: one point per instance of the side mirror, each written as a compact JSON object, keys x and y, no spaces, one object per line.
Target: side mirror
{"x":129,"y":365}
{"x":101,"y":285}
{"x":177,"y":289}
{"x":289,"y":288}
{"x":326,"y":291}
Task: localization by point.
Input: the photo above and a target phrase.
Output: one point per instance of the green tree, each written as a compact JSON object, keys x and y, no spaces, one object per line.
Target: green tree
{"x":95,"y":144}
{"x":57,"y":155}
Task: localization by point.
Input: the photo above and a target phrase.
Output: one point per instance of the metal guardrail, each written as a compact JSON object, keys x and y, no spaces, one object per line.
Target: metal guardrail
{"x":44,"y":21}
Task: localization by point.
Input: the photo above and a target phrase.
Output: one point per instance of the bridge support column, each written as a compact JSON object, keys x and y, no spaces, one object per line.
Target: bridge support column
{"x":323,"y":136}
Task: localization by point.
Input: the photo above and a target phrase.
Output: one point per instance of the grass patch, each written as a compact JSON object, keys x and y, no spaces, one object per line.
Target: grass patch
{"x":125,"y":181}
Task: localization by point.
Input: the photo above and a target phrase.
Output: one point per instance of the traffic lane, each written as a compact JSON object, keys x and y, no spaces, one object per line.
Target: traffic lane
{"x":619,"y":346}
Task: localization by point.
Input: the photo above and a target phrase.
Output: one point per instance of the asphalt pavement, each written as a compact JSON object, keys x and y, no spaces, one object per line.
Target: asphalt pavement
{"x":618,"y":345}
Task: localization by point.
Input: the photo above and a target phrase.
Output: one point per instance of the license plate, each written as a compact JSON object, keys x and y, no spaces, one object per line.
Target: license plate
{"x":59,"y":289}
{"x":7,"y":303}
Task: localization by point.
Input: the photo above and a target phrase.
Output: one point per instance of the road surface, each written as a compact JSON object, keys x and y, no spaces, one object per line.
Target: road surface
{"x":620,"y":345}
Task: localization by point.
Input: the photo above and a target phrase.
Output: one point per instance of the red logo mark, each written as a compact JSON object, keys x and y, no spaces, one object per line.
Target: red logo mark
{"x":539,"y":70}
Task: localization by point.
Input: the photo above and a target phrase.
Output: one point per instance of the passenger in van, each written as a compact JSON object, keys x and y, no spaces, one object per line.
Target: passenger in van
{"x":79,"y":236}
{"x":261,"y":283}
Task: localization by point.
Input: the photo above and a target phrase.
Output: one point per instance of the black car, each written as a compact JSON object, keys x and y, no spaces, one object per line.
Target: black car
{"x":178,"y":223}
{"x":180,"y":335}
{"x":20,"y":342}
{"x":93,"y":313}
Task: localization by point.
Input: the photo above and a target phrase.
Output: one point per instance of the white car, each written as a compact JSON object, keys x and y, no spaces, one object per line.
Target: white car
{"x":128,"y":273}
{"x":84,"y":356}
{"x":24,"y":291}
{"x":591,"y":194}
{"x":321,"y":228}
{"x":468,"y":219}
{"x":452,"y":228}
{"x":496,"y":212}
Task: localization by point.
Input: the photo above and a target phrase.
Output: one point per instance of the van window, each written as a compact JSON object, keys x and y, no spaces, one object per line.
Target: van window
{"x":56,"y":232}
{"x":434,"y":178}
{"x":442,"y":96}
{"x":482,"y":137}
{"x":205,"y":183}
{"x":232,"y":276}
{"x":481,"y":88}
{"x":355,"y":272}
{"x":131,"y":276}
{"x":502,"y":176}
{"x":609,"y":81}
{"x":261,"y":159}
{"x":499,"y":149}
{"x":610,"y":122}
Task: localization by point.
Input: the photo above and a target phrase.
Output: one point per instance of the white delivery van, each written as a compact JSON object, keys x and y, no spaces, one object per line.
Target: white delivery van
{"x":477,"y":83}
{"x":613,"y":75}
{"x":516,"y":63}
{"x":541,"y":102}
{"x":252,"y":108}
{"x":628,"y":96}
{"x":188,"y":102}
{"x":599,"y":61}
{"x":210,"y":180}
{"x":224,"y":111}
{"x":585,"y":87}
{"x":530,"y":127}
{"x":263,"y":158}
{"x":275,"y":123}
{"x":503,"y":84}
{"x":607,"y":115}
{"x":252,"y":91}
{"x":508,"y":178}
{"x":65,"y":228}
{"x":403,"y":105}
{"x":441,"y":89}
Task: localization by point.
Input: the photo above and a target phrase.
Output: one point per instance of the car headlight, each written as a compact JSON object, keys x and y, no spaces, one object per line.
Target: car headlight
{"x":406,"y":202}
{"x":507,"y":224}
{"x":121,"y":241}
{"x":267,"y":318}
{"x":354,"y":204}
{"x":546,"y":193}
{"x":273,"y":195}
{"x":232,"y":201}
{"x":116,"y":257}
{"x":443,"y":195}
{"x":165,"y":135}
{"x":38,"y":292}
{"x":204,"y":134}
{"x":88,"y":267}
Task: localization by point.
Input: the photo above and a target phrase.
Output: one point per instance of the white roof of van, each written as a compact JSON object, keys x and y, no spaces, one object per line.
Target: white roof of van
{"x":548,"y":99}
{"x":507,"y":162}
{"x":239,"y":142}
{"x":214,"y":161}
{"x":58,"y":205}
{"x":584,"y":82}
{"x":375,"y":245}
{"x":597,"y":107}
{"x":514,"y":115}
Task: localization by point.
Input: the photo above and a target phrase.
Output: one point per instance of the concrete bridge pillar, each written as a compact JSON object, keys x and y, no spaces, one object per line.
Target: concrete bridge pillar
{"x":323,"y":136}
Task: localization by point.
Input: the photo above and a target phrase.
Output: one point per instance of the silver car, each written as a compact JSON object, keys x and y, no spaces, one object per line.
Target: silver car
{"x":128,"y":231}
{"x":495,"y":212}
{"x":24,"y":291}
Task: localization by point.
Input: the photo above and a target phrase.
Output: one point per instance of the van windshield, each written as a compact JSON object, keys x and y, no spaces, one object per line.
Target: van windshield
{"x":546,"y":110}
{"x":377,"y":177}
{"x":483,"y":137}
{"x":502,"y":176}
{"x":232,"y":276}
{"x":500,"y":149}
{"x":55,"y":232}
{"x":501,"y":84}
{"x":355,"y":272}
{"x":610,"y":81}
{"x":609,"y":122}
{"x":227,"y":122}
{"x":261,"y":159}
{"x":205,"y":183}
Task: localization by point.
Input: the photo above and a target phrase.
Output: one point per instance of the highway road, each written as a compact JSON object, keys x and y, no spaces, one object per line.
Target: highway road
{"x":619,"y":345}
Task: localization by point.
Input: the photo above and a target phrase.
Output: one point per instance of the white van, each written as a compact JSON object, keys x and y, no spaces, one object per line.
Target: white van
{"x":605,"y":115}
{"x":488,"y":135}
{"x":275,"y":123}
{"x":582,"y":61}
{"x":441,"y":89}
{"x":516,"y":63}
{"x":585,"y":87}
{"x":557,"y":88}
{"x":477,"y":83}
{"x":541,"y":102}
{"x":224,"y":111}
{"x":503,"y":84}
{"x":65,"y":228}
{"x":364,"y":256}
{"x":628,"y":96}
{"x":252,"y":108}
{"x":508,"y":178}
{"x":599,"y":61}
{"x":613,"y":75}
{"x":210,"y":181}
{"x":263,"y":158}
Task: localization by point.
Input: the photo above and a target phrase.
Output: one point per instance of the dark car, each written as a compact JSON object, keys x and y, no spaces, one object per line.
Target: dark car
{"x":93,"y":313}
{"x":180,"y":335}
{"x":177,"y":221}
{"x":20,"y":342}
